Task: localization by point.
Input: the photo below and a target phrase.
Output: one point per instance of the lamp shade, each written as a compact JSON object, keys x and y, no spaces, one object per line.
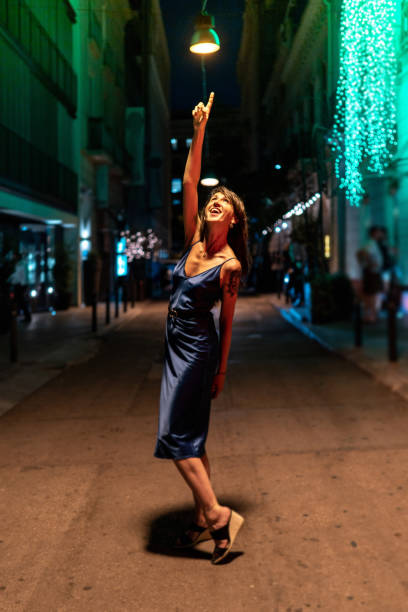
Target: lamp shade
{"x":205,"y":39}
{"x":209,"y":179}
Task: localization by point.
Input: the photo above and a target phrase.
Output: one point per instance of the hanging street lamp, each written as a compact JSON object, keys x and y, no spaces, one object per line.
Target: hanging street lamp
{"x":204,"y":41}
{"x":209,"y":179}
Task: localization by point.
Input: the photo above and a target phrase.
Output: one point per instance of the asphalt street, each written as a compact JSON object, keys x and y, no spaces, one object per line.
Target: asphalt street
{"x":310,"y":449}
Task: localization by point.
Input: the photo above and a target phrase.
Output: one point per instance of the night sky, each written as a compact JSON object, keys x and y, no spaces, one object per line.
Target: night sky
{"x":186,"y":85}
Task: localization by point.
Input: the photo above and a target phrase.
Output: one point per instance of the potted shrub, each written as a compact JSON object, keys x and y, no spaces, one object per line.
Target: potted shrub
{"x":63,"y":275}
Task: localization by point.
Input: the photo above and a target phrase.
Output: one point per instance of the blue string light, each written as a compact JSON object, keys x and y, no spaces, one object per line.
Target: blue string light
{"x":364,"y":130}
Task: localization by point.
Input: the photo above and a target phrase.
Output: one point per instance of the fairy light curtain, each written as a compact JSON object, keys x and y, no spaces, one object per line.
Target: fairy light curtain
{"x":364,"y":131}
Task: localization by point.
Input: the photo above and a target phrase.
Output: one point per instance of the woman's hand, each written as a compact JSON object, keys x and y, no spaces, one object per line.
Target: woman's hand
{"x":201,"y":113}
{"x":218,"y":385}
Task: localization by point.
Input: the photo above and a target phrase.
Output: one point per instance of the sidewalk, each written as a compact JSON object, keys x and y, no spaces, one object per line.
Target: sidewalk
{"x":372,"y":357}
{"x":49,"y":344}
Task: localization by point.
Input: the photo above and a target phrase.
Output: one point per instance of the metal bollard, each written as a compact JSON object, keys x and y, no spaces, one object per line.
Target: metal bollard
{"x":13,"y":336}
{"x":116,"y":300}
{"x":392,"y":331}
{"x":125,"y":296}
{"x":94,"y":314}
{"x":358,"y":324}
{"x":107,"y":313}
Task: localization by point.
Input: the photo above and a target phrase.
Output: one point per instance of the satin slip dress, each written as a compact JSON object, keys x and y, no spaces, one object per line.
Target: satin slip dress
{"x":190,"y":363}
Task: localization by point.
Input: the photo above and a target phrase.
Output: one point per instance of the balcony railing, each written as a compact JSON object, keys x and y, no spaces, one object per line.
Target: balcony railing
{"x":28,"y":170}
{"x":23,"y":30}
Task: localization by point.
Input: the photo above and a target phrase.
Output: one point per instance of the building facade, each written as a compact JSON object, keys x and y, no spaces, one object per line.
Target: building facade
{"x":73,"y":171}
{"x":103,"y":165}
{"x":38,"y":107}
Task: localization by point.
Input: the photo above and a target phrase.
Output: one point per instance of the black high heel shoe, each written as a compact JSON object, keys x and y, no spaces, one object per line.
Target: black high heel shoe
{"x":186,"y":541}
{"x":227,"y":532}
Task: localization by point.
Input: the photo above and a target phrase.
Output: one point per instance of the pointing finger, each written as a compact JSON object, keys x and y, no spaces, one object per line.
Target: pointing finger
{"x":210,"y":101}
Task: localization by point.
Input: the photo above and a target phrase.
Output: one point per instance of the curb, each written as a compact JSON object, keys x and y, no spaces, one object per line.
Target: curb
{"x":388,"y":374}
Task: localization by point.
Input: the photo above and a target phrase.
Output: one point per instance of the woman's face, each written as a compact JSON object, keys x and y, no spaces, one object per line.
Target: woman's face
{"x":219,"y":209}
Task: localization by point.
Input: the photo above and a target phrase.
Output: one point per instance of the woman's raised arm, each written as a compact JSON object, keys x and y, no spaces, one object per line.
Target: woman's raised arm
{"x":192,"y":170}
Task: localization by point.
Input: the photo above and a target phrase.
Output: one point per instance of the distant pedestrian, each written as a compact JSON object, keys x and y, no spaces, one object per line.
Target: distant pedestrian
{"x":19,"y":282}
{"x":297,"y":254}
{"x":371,"y":260}
{"x":195,"y":361}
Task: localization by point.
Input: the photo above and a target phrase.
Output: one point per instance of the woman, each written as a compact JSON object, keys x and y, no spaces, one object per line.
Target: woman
{"x":195,"y":360}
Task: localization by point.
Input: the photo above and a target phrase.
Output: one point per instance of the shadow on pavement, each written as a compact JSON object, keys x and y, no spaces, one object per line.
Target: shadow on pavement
{"x":164,"y":528}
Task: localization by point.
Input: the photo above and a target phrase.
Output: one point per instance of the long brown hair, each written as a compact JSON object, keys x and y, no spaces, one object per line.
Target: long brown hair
{"x":237,"y":236}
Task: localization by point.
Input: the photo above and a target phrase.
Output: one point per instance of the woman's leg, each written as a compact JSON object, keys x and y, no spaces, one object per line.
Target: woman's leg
{"x":195,"y":474}
{"x":199,"y":516}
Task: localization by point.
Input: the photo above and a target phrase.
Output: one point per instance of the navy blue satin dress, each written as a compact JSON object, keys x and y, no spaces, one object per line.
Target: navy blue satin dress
{"x":190,"y":363}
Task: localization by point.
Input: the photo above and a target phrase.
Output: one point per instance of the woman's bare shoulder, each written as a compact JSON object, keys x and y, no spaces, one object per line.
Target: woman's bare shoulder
{"x":232,"y":264}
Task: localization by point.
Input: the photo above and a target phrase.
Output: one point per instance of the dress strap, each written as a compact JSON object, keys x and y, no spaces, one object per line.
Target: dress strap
{"x":190,"y":246}
{"x":229,"y":259}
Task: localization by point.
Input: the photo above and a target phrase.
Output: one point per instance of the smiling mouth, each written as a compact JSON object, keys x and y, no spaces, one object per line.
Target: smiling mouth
{"x":215,"y":210}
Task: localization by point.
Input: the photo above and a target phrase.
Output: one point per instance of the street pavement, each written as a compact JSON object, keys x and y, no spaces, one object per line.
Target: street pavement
{"x":50,"y":343}
{"x":309,"y":448}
